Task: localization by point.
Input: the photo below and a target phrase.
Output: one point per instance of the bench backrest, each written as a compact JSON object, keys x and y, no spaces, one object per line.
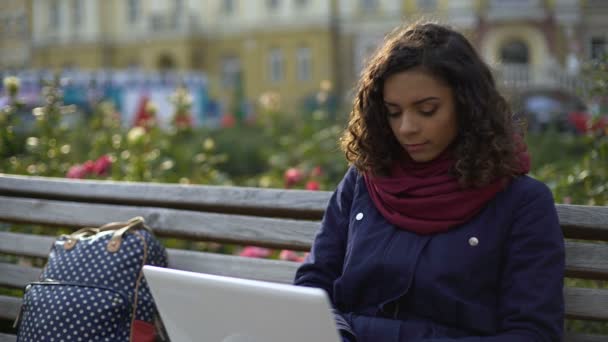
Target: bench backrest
{"x":236,"y":215}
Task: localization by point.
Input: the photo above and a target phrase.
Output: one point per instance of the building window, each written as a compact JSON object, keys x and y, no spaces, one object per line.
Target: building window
{"x":272,"y":5}
{"x":77,"y":12}
{"x":228,"y":6}
{"x":515,"y":52}
{"x":133,"y":10}
{"x":178,"y":6}
{"x":427,"y":5}
{"x":157,"y":22}
{"x":369,"y":5}
{"x":302,"y":3}
{"x":23,"y":25}
{"x":5,"y":24}
{"x":599,"y":47}
{"x":54,"y":14}
{"x":178,"y":12}
{"x":596,"y":3}
{"x":304,"y":64}
{"x":517,"y":3}
{"x":231,"y":67}
{"x":275,"y":65}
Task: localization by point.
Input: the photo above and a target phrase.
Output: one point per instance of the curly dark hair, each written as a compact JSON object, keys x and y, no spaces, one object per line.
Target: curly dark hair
{"x":485,"y":146}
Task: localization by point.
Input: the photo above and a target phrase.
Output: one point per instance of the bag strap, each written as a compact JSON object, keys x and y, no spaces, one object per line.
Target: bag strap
{"x":116,"y":240}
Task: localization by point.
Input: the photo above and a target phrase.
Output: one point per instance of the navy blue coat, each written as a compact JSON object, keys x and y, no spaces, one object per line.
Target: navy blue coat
{"x":497,"y":278}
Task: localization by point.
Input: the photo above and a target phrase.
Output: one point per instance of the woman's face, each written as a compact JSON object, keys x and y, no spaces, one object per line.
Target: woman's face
{"x":421,"y":113}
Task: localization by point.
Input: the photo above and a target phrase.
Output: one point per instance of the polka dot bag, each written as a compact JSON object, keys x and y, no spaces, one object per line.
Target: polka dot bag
{"x":93,"y":288}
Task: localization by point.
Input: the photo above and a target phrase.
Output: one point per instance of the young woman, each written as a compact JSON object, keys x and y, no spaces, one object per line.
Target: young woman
{"x":436,"y":233}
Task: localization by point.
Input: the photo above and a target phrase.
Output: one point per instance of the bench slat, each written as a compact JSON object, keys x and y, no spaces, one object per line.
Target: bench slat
{"x":8,"y":338}
{"x":202,"y":197}
{"x":229,"y":265}
{"x":17,"y":276}
{"x":25,"y":244}
{"x":9,"y":307}
{"x":569,"y":337}
{"x":573,"y":337}
{"x":583,"y":260}
{"x":581,"y":303}
{"x":586,"y":303}
{"x":587,"y":260}
{"x":579,"y":222}
{"x":584,"y":222}
{"x":270,"y":232}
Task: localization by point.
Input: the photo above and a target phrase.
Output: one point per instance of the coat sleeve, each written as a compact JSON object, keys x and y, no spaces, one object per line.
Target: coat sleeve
{"x":531,"y":302}
{"x":324,"y":262}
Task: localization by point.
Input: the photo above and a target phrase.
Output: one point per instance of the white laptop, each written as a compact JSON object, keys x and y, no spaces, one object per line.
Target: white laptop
{"x":203,"y":307}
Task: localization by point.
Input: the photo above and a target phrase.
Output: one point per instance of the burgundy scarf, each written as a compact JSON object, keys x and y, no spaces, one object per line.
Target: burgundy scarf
{"x":425,"y":199}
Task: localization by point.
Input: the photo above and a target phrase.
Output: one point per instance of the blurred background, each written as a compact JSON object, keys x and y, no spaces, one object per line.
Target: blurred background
{"x":257,"y":92}
{"x":232,"y":52}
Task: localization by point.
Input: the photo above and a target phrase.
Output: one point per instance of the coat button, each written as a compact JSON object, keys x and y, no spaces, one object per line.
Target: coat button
{"x":359,"y":216}
{"x":473,"y":241}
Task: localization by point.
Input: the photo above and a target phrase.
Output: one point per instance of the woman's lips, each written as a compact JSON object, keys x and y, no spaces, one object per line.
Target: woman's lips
{"x":413,"y":148}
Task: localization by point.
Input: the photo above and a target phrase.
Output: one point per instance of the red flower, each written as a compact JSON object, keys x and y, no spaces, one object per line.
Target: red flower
{"x":183,"y":121}
{"x":316,"y":172}
{"x":255,"y":252}
{"x":76,"y":172}
{"x":292,"y":176}
{"x":102,"y":165}
{"x":312,"y":185}
{"x":144,"y":117}
{"x":228,"y":121}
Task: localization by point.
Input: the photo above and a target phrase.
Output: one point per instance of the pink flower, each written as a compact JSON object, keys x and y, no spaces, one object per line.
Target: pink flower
{"x":292,"y":176}
{"x":255,"y":252}
{"x":102,"y":165}
{"x":76,"y":172}
{"x":291,"y":256}
{"x":567,"y":200}
{"x":312,"y":185}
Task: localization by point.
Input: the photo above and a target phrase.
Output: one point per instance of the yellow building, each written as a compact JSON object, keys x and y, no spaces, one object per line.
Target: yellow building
{"x":291,"y":46}
{"x":279,"y":46}
{"x":285,"y":47}
{"x":109,"y":34}
{"x":529,"y":43}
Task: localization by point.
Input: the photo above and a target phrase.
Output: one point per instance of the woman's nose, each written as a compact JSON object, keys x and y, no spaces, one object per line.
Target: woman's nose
{"x":408,"y":124}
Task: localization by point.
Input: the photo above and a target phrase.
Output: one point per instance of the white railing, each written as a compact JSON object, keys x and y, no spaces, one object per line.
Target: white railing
{"x":516,"y":9}
{"x":518,"y":76}
{"x":513,"y":75}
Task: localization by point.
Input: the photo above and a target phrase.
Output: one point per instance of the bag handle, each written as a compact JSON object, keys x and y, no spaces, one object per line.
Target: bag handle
{"x":119,"y":228}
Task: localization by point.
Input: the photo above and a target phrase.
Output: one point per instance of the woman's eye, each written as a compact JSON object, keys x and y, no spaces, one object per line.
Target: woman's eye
{"x":428,"y":112}
{"x":393,"y":114}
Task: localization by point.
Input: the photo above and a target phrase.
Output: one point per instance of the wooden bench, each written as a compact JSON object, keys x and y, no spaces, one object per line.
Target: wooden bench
{"x":235,"y":215}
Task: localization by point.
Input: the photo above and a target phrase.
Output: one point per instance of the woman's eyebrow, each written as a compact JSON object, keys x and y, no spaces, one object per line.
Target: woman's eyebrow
{"x":417,"y":102}
{"x":426,"y":99}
